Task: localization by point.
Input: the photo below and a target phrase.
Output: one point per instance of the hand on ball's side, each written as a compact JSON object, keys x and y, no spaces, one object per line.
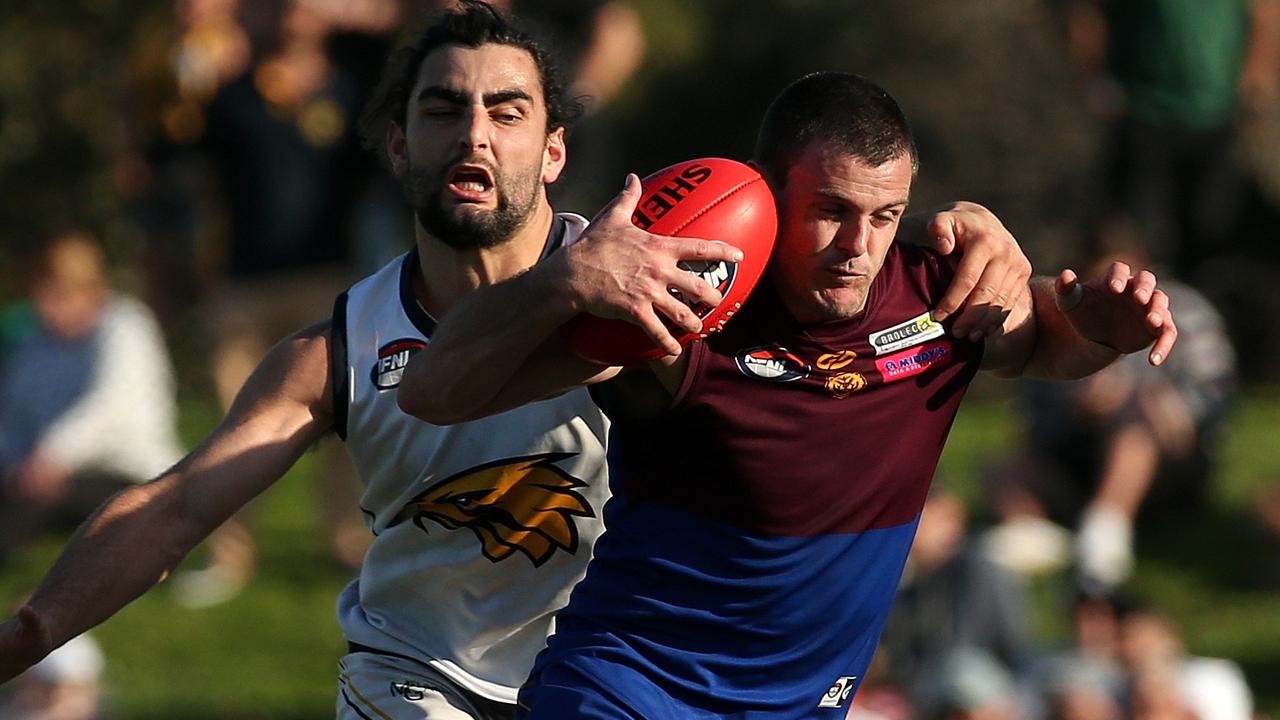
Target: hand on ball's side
{"x":618,"y":271}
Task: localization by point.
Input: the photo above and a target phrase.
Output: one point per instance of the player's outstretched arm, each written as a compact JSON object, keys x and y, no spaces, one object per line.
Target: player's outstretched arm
{"x":499,"y":348}
{"x":142,"y":533}
{"x":1069,"y":329}
{"x":991,"y":271}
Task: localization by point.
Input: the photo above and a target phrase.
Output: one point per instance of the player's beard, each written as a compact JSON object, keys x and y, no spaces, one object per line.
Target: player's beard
{"x":462,"y":227}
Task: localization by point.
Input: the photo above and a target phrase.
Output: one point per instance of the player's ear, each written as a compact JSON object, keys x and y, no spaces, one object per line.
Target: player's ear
{"x":554,"y":157}
{"x":396,"y":149}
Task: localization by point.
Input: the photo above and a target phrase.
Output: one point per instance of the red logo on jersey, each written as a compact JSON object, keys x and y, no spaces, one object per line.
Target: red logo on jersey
{"x":773,"y":363}
{"x":392,"y":359}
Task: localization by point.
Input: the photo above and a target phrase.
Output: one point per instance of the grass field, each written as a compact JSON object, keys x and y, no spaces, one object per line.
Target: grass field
{"x":271,"y":651}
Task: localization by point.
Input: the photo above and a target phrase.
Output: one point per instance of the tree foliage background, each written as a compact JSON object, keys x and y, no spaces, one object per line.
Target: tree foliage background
{"x":64,"y":76}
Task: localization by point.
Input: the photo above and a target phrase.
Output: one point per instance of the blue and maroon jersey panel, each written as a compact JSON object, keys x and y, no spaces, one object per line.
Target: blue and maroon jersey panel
{"x":786,"y":430}
{"x":758,"y":527}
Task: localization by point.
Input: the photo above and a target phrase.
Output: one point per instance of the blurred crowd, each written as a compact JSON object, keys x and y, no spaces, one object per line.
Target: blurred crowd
{"x":244,"y":170}
{"x":959,"y":646}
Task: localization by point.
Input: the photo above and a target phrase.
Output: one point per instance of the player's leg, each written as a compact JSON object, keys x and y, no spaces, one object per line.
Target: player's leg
{"x":372,"y":686}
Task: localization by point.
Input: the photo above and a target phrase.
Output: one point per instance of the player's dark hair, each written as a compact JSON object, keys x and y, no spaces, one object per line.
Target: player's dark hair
{"x":473,"y":23}
{"x":856,"y":115}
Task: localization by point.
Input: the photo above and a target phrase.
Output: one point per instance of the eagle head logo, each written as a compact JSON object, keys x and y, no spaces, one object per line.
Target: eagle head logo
{"x":517,"y":504}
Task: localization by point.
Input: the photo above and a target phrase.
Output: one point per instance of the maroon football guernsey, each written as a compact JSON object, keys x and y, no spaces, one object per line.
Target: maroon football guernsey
{"x":759,"y":526}
{"x":832,"y":428}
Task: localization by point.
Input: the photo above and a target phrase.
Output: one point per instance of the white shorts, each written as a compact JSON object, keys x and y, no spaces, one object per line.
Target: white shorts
{"x":376,"y":686}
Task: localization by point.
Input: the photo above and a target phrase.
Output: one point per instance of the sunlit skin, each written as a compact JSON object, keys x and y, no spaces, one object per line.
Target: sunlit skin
{"x":837,"y":217}
{"x":475,"y":143}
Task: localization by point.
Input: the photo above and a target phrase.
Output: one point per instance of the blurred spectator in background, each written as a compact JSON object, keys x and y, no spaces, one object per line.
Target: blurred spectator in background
{"x":878,"y":698}
{"x":183,"y":56}
{"x":86,"y":398}
{"x":975,"y":686}
{"x":66,"y":685}
{"x":1086,"y":680}
{"x":1169,"y":684}
{"x":953,"y":602}
{"x":1097,"y":448}
{"x":282,"y":140}
{"x":17,"y":321}
{"x":1173,"y":77}
{"x":601,"y":44}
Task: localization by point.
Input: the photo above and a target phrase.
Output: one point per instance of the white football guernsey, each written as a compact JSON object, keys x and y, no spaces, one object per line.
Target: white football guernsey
{"x":481,"y":529}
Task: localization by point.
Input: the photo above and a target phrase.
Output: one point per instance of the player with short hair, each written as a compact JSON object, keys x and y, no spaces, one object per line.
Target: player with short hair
{"x":767,"y":481}
{"x":482,"y":528}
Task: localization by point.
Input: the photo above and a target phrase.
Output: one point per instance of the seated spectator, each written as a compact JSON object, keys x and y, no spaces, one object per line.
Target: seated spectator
{"x":1098,"y":448}
{"x":952,"y":600}
{"x":86,"y":397}
{"x":1168,"y":683}
{"x":1085,"y":680}
{"x":976,"y":686}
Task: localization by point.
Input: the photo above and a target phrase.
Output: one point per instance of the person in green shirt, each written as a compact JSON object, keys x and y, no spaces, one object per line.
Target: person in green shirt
{"x":1173,"y":77}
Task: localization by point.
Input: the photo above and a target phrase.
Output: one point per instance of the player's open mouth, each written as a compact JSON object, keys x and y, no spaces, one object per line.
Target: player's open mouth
{"x":471,"y":182}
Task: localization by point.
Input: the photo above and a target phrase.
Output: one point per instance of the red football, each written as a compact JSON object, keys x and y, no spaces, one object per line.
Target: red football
{"x":709,"y":198}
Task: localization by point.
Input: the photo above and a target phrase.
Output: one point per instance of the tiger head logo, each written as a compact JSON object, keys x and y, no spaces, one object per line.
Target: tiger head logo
{"x":517,"y":504}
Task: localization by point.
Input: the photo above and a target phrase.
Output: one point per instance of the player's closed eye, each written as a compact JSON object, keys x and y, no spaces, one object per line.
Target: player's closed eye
{"x":441,"y":112}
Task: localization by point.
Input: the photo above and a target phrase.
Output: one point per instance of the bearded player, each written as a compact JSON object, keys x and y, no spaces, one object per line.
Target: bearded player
{"x":480,"y":528}
{"x":767,"y":481}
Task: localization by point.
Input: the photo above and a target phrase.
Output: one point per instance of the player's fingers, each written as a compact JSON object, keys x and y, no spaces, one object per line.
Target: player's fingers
{"x":704,"y":250}
{"x":623,"y":204}
{"x":1006,"y":297}
{"x":1157,"y":310}
{"x":1164,"y":343}
{"x":1143,"y":286}
{"x":942,"y":233}
{"x":1118,"y":276}
{"x":648,"y":321}
{"x":684,"y":319}
{"x":1068,"y":291}
{"x":694,"y":288}
{"x":1013,"y":288}
{"x":984,"y":312}
{"x":961,"y":291}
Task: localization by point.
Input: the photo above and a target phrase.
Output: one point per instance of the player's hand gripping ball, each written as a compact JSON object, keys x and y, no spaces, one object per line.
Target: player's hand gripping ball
{"x":708,"y":198}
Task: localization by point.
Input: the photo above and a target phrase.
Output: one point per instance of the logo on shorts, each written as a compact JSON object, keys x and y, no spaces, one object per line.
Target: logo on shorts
{"x":838,"y":692}
{"x":903,"y":335}
{"x":773,"y":363}
{"x":388,"y":369}
{"x":411,"y":691}
{"x":525,"y":505}
{"x":915,"y":361}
